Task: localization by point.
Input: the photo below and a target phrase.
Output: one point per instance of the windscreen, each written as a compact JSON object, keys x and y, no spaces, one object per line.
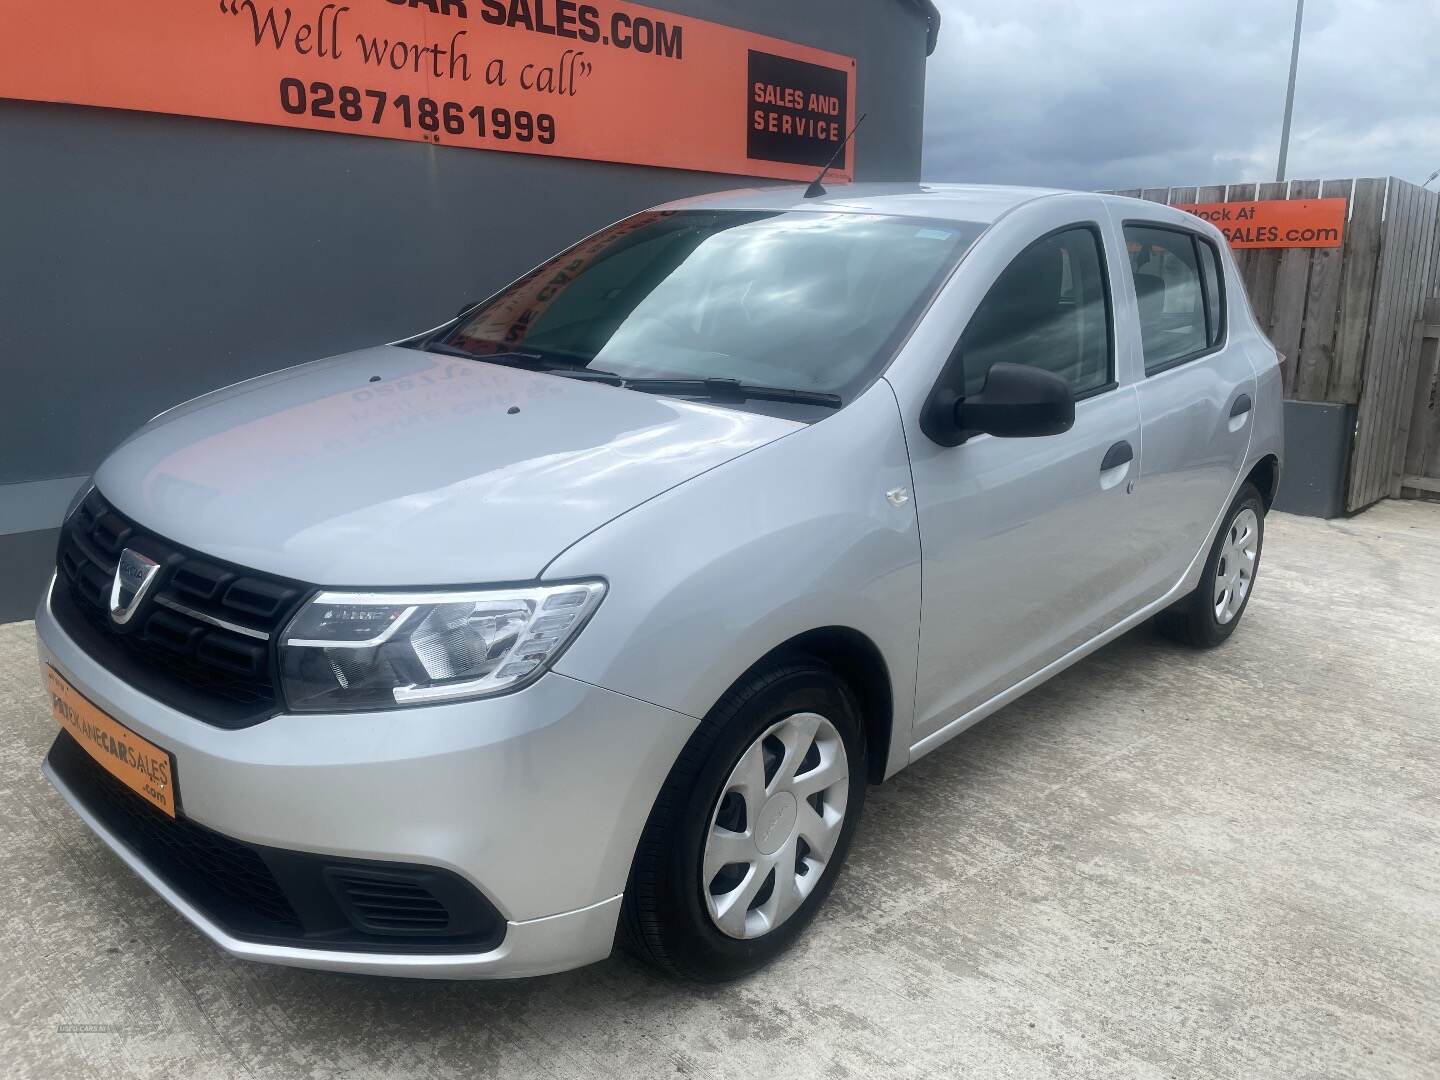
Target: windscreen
{"x":801,"y":300}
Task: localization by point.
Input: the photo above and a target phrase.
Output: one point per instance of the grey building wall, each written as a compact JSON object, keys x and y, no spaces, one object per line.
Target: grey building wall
{"x":145,"y":259}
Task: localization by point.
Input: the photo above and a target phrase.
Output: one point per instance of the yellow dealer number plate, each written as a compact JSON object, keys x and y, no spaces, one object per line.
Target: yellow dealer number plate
{"x":137,"y":763}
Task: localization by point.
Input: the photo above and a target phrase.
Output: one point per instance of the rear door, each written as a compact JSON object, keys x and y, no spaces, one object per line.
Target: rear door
{"x":1196,"y":396}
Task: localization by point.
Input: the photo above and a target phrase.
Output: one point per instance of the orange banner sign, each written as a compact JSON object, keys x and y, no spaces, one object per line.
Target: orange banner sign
{"x":1276,"y":223}
{"x":598,"y":79}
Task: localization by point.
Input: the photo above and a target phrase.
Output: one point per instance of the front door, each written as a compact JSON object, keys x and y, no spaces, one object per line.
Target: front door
{"x":1027,"y":542}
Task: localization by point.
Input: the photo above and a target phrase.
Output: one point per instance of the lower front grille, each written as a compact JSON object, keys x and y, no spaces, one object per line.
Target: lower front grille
{"x":224,"y":877}
{"x":272,"y":895}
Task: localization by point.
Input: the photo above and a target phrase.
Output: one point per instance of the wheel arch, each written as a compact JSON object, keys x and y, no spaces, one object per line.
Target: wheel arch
{"x":1265,"y":475}
{"x":858,"y":662}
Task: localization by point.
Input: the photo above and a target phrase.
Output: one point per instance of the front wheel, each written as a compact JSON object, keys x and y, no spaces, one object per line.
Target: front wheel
{"x":749,"y":832}
{"x":1209,"y":614}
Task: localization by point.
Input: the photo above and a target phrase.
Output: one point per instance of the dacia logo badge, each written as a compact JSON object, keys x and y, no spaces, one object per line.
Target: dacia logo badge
{"x":133,"y":577}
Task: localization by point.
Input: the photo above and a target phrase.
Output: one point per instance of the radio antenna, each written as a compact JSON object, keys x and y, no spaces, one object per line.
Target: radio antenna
{"x":816,"y":188}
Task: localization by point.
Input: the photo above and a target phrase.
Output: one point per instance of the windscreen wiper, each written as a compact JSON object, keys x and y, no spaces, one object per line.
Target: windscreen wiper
{"x":550,"y":363}
{"x":715,"y":389}
{"x":499,"y":358}
{"x":732,"y":390}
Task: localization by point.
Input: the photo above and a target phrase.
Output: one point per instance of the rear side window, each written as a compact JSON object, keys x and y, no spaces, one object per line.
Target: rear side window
{"x":1049,"y":309}
{"x":1177,"y":287}
{"x":1214,"y":291}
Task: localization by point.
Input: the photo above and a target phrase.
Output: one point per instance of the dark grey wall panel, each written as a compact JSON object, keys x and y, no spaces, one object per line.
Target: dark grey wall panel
{"x":29,"y":560}
{"x":146,"y":259}
{"x":1317,"y":452}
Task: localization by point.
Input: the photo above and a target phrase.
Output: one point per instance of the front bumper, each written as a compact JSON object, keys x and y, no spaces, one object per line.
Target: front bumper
{"x":536,"y":799}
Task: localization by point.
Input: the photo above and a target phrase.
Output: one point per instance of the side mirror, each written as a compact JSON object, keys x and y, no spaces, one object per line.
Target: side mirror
{"x":1017,"y":402}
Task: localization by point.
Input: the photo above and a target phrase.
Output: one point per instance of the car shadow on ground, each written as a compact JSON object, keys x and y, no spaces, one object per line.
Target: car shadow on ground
{"x":353,"y":1006}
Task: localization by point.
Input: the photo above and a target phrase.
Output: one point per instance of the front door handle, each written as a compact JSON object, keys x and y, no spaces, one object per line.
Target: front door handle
{"x":1119,"y":454}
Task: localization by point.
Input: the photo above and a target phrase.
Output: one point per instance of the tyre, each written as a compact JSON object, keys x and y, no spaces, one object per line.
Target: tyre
{"x":1209,"y":614}
{"x":751,"y":827}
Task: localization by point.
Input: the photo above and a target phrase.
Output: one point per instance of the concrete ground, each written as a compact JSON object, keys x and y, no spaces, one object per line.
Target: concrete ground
{"x":1162,"y":864}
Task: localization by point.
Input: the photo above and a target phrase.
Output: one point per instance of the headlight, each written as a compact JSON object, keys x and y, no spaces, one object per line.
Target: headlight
{"x":347,"y":651}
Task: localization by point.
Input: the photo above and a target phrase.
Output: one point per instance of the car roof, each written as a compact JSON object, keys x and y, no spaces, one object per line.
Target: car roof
{"x":978,"y":203}
{"x":982,"y":203}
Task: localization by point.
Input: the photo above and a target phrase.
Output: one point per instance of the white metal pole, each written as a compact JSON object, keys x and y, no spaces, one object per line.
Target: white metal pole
{"x":1290,"y":91}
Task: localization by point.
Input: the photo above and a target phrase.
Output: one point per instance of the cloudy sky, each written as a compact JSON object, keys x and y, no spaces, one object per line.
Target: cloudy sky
{"x":1147,"y":93}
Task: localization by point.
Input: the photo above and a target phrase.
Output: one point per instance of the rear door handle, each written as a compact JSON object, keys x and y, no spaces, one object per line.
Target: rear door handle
{"x":1119,"y":454}
{"x":1116,"y":465}
{"x":1239,"y":413}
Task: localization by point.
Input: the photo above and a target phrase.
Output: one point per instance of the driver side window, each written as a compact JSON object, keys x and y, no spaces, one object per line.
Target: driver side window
{"x":1050,"y":308}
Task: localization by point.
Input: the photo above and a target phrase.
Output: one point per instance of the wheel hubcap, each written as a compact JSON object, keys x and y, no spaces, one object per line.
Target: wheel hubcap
{"x":1235,"y":571}
{"x":775,"y":825}
{"x":777,"y":822}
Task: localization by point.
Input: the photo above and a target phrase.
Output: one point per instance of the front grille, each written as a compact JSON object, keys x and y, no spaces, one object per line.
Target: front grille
{"x":203,"y":639}
{"x":269,"y":894}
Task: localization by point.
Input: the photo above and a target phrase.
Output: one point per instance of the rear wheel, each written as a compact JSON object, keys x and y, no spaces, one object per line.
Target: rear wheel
{"x":749,"y":832}
{"x":1209,"y":614}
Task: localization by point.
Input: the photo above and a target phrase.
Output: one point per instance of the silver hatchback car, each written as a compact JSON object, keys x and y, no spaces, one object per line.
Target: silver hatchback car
{"x":594,"y":610}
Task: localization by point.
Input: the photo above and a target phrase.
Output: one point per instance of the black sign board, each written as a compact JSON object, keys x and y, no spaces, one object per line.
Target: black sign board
{"x":797,"y":110}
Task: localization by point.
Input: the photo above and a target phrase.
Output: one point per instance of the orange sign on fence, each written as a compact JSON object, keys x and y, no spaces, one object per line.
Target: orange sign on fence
{"x":597,"y":79}
{"x":1276,"y":223}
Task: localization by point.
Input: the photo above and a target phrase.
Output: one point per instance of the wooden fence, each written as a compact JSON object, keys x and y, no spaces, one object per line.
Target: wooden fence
{"x":1422,"y":455}
{"x":1349,"y":319}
